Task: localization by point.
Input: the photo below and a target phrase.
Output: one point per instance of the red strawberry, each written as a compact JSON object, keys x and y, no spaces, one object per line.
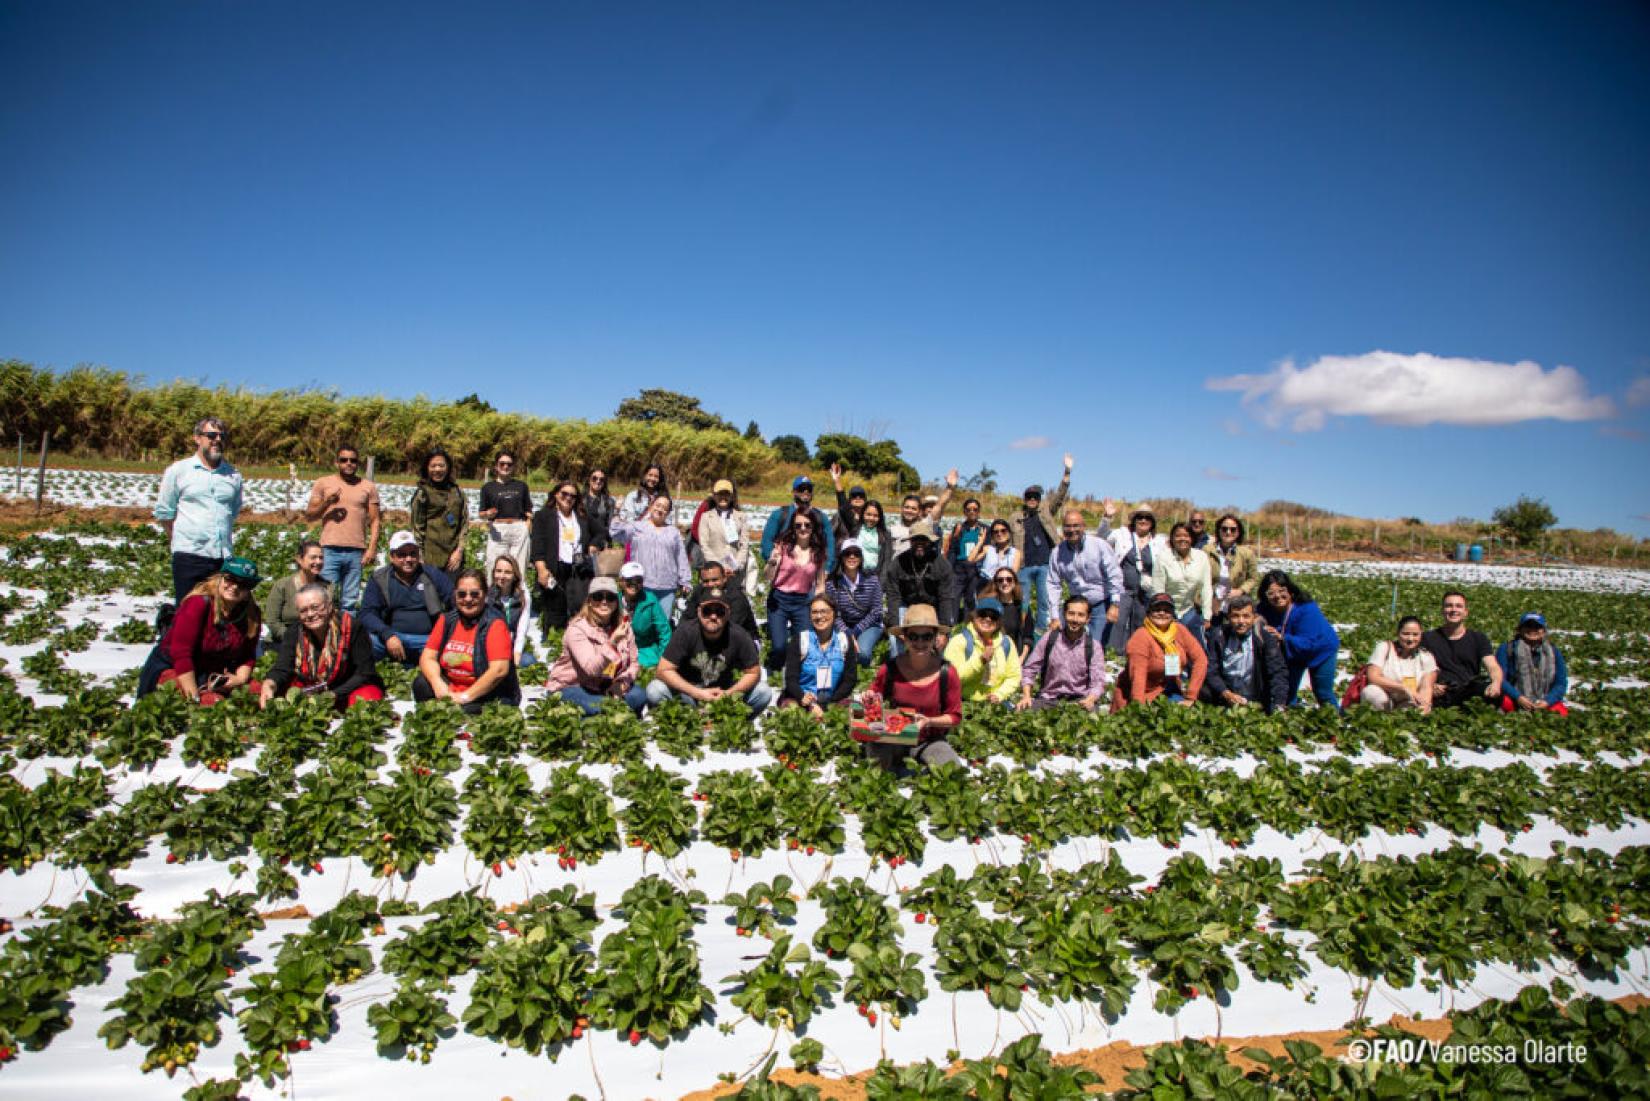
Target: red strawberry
{"x":318,"y":869}
{"x":303,"y":1045}
{"x":921,"y":917}
{"x":635,"y":1037}
{"x":810,"y":850}
{"x":171,"y":858}
{"x":498,"y":869}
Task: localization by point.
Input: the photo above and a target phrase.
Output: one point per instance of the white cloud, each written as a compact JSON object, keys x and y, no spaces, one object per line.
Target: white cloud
{"x":1415,"y":390}
{"x":1639,"y":392}
{"x":1215,"y":474}
{"x":1031,"y":443}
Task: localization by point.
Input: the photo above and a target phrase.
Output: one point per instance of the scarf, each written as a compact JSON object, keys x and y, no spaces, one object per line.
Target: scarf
{"x":1534,"y":670}
{"x":1168,"y":638}
{"x":322,"y":666}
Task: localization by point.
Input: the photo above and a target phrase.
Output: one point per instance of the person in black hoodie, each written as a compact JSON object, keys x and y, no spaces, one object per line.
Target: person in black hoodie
{"x":920,"y":576}
{"x":1246,"y":665}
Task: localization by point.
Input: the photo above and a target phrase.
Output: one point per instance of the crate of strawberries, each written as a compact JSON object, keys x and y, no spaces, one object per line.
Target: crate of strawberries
{"x":873,"y":722}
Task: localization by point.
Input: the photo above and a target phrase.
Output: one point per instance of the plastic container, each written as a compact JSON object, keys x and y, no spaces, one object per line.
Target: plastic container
{"x":1460,"y":552}
{"x":1475,"y":553}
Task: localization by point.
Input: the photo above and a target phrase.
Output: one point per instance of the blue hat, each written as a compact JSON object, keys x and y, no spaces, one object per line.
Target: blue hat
{"x":989,"y":604}
{"x":801,"y":480}
{"x":857,"y":491}
{"x":1532,"y":617}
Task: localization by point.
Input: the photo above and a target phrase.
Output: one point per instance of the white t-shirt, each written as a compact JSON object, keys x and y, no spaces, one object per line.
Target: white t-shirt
{"x":1409,"y":671}
{"x":568,"y":526}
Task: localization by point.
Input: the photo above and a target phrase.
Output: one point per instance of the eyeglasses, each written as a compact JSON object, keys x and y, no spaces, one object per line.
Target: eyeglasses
{"x":565,"y":496}
{"x":603,"y":598}
{"x":467,"y":594}
{"x":351,"y":459}
{"x":313,"y":613}
{"x":804,"y":527}
{"x":920,"y":636}
{"x":1196,"y":523}
{"x":1227,"y":527}
{"x":1005,"y":581}
{"x":712,"y":612}
{"x":211,"y":435}
{"x":505,"y":462}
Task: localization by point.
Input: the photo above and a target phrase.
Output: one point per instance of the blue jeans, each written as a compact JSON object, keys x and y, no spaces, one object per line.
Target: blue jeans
{"x":590,"y":703}
{"x":1323,"y":680}
{"x":342,"y":567}
{"x":413,"y":643}
{"x":1193,"y":621}
{"x":757,"y":699}
{"x":667,"y":602}
{"x":787,"y":616}
{"x":1031,"y":581}
{"x":867,"y":643}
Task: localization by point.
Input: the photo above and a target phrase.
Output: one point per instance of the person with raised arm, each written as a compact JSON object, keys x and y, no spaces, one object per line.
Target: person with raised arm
{"x":1036,"y":529}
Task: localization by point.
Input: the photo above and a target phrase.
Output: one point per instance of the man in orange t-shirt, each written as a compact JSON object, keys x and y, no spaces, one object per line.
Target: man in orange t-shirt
{"x":347,"y":506}
{"x":449,"y":668}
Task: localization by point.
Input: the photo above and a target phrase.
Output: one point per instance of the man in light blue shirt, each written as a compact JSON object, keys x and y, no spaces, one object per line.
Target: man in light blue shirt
{"x":1088,"y":565}
{"x":199,"y":499}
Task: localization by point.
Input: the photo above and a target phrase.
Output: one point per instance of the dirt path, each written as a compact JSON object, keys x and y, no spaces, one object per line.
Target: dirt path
{"x":1114,"y":1061}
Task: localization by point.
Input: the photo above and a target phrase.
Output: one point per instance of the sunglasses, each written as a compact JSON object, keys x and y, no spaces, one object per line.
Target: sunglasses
{"x":565,"y":496}
{"x":993,"y":616}
{"x":919,"y":636}
{"x":1196,"y":523}
{"x":237,"y":582}
{"x":1005,"y":581}
{"x":504,"y":462}
{"x":211,"y":435}
{"x":603,"y":598}
{"x":467,"y":594}
{"x":712,"y":612}
{"x":1227,"y":527}
{"x":351,"y":459}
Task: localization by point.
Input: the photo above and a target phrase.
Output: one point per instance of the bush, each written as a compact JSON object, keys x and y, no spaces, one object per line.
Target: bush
{"x":1525,"y":519}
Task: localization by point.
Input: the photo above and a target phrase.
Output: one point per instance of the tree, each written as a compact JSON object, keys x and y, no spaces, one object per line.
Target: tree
{"x":792,"y":449}
{"x":652,"y":406}
{"x":753,"y":431}
{"x":476,"y":402}
{"x":983,"y":482}
{"x":1525,"y":519}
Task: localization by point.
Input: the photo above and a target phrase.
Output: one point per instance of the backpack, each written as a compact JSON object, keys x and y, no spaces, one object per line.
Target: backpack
{"x":1008,"y":643}
{"x":948,"y":675}
{"x":432,"y":599}
{"x":1048,"y":641}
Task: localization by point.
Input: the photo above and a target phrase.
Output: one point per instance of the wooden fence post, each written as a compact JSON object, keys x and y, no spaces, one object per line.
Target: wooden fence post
{"x":40,"y":477}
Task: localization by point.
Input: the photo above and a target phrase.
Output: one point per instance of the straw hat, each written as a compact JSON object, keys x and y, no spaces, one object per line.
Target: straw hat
{"x":917,"y":615}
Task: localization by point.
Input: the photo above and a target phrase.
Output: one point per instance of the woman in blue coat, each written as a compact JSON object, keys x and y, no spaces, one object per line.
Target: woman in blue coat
{"x":1310,"y":644}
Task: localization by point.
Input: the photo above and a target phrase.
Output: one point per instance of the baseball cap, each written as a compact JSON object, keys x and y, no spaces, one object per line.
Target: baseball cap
{"x":1033,"y":491}
{"x":857,"y":491}
{"x":631,"y":569}
{"x":989,"y":604}
{"x":1160,"y":599}
{"x":402,"y":539}
{"x":849,"y":545}
{"x":604,"y":585}
{"x":242,"y":569}
{"x":722,"y":486}
{"x":1532,"y":617}
{"x":801,"y":480}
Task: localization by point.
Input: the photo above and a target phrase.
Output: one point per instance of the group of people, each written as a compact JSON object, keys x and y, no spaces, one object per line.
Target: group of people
{"x":968,"y":611}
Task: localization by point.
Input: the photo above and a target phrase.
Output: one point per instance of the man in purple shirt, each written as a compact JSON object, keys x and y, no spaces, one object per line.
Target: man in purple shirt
{"x":1065,"y":665}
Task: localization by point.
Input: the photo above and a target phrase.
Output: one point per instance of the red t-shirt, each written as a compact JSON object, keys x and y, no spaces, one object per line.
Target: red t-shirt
{"x":455,"y":651}
{"x":940,"y":698}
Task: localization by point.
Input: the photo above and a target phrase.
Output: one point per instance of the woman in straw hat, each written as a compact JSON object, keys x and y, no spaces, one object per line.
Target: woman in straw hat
{"x":919,"y":680}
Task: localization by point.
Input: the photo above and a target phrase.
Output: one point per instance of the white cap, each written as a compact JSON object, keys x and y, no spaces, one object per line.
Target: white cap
{"x":402,"y":539}
{"x":631,"y":569}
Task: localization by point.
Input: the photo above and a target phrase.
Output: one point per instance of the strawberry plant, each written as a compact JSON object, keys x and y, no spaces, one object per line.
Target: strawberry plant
{"x":555,"y":730}
{"x":613,"y":736}
{"x":763,"y":1088}
{"x":496,"y":830}
{"x":143,"y":735}
{"x":796,"y":739}
{"x":678,"y":730}
{"x":885,"y":978}
{"x":286,"y":1011}
{"x":1024,"y":1070}
{"x":217,"y":735}
{"x":573,"y":817}
{"x":731,"y":728}
{"x":1073,"y":952}
{"x":892,"y":831}
{"x":412,"y":821}
{"x":741,"y":817}
{"x":133,"y":631}
{"x":1020,"y":806}
{"x":448,"y":945}
{"x":121,"y":834}
{"x":52,"y":675}
{"x":531,"y":992}
{"x":563,"y":913}
{"x":649,"y":985}
{"x":854,"y":914}
{"x":761,"y":908}
{"x":34,"y":822}
{"x":979,"y":953}
{"x":659,"y":816}
{"x":498,"y":731}
{"x":357,"y":737}
{"x":429,"y":737}
{"x":785,"y":987}
{"x":952,"y":801}
{"x":326,"y":818}
{"x":293,"y":730}
{"x":220,"y":824}
{"x":807,"y":812}
{"x":411,"y":1023}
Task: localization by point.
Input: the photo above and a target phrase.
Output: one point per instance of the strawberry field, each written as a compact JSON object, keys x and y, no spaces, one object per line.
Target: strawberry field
{"x":229,"y":902}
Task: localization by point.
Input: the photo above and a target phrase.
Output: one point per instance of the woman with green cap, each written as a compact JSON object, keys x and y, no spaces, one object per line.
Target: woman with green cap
{"x":209,"y":649}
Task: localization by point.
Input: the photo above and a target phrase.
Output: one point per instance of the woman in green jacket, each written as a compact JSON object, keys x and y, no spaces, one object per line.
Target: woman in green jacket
{"x":440,"y":513}
{"x":648,"y":621}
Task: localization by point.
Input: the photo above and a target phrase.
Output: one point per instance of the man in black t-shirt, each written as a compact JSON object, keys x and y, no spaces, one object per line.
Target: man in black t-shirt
{"x":1466,"y":660}
{"x":507,"y":506}
{"x":708,"y":658}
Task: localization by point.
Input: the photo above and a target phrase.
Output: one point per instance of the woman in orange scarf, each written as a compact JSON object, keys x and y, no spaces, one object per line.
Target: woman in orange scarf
{"x":1162,"y":658}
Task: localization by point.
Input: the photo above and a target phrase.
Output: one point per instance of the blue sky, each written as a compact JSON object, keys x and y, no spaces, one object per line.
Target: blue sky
{"x":994,"y":231}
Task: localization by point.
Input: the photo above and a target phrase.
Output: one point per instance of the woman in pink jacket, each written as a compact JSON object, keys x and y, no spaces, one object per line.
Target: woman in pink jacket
{"x":598,"y":654}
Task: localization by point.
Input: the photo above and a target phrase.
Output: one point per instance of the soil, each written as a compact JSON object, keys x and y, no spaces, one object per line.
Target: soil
{"x":1114,"y":1061}
{"x":287,"y":913}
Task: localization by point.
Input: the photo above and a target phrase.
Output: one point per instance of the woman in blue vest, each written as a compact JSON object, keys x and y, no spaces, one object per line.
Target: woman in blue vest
{"x":821,"y":669}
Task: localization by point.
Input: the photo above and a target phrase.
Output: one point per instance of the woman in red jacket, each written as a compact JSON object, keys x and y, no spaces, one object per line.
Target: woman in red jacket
{"x":209,"y":649}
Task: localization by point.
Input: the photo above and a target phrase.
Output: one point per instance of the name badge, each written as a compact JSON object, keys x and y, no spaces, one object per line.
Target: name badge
{"x":1171,"y":665}
{"x":822,"y":679}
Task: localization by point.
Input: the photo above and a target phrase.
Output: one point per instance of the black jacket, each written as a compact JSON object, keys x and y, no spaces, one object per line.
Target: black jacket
{"x":1269,"y":682}
{"x":356,"y":670}
{"x":907,"y":582}
{"x":740,"y":613}
{"x":544,"y":545}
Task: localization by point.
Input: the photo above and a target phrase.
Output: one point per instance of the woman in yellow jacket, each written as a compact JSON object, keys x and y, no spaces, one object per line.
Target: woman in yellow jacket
{"x":986,"y":660}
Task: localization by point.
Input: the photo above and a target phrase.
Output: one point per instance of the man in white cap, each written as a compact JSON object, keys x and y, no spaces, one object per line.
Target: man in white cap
{"x":403,"y":601}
